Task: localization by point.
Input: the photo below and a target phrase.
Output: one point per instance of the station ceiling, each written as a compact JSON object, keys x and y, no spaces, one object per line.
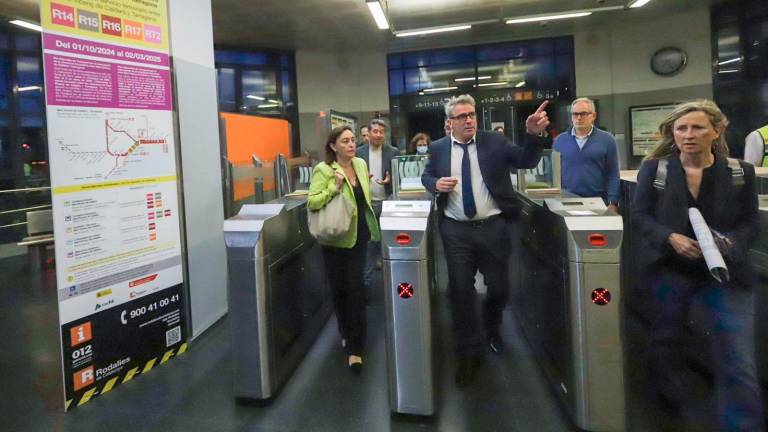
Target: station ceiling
{"x":333,"y":25}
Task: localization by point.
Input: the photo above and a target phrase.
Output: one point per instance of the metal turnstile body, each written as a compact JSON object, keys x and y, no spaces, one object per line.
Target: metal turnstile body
{"x":570,"y":305}
{"x":407,"y":284}
{"x":278,"y":298}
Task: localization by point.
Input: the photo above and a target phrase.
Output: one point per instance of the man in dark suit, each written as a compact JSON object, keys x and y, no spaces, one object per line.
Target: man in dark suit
{"x":469,"y":171}
{"x":378,"y":155}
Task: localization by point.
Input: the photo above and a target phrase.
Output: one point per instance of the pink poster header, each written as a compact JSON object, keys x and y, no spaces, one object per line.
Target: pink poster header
{"x":107,"y":51}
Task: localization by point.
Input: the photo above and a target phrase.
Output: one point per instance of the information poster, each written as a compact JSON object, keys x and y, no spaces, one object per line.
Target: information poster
{"x":114,"y":182}
{"x":644,"y":122}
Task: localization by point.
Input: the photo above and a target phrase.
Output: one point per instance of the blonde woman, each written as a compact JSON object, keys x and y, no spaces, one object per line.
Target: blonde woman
{"x":343,"y":173}
{"x":698,"y":174}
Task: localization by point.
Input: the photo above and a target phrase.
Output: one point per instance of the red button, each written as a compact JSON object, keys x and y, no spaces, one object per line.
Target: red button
{"x":403,"y":239}
{"x":597,"y":240}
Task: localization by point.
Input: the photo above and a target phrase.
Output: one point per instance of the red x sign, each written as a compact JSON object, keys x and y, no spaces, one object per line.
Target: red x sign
{"x":405,"y":290}
{"x":601,"y":296}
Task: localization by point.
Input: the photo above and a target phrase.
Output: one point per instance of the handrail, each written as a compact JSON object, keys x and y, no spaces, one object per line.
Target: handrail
{"x":13,"y":225}
{"x":26,"y":190}
{"x":40,"y":207}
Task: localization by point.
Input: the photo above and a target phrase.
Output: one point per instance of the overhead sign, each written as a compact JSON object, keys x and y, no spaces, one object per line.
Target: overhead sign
{"x":115,"y":198}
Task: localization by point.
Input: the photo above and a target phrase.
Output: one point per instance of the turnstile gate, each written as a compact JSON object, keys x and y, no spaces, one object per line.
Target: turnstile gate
{"x":569,"y":302}
{"x":405,"y":252}
{"x":278,"y":298}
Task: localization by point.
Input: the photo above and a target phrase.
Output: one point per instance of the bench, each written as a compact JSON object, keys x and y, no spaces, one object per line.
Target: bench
{"x":39,"y":233}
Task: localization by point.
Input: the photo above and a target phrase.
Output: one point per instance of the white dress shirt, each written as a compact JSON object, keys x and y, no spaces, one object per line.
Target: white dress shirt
{"x":378,"y":192}
{"x":754,"y":147}
{"x":484,"y":203}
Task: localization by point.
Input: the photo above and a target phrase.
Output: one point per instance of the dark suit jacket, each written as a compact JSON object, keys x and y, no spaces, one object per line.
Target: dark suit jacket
{"x":496,"y":156}
{"x":657,"y":214}
{"x":387,"y":154}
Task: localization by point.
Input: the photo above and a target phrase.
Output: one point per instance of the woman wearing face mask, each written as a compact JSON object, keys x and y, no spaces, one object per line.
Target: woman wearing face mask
{"x":420,"y":144}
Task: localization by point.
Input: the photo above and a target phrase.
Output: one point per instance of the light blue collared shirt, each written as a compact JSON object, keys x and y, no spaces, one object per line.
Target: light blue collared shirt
{"x":582,"y":140}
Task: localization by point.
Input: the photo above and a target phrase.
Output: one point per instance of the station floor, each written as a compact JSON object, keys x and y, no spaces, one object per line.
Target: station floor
{"x":194,"y":391}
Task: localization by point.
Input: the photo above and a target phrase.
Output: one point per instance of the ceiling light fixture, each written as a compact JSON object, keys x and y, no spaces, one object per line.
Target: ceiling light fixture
{"x":537,"y":18}
{"x":378,"y":14}
{"x":274,"y":101}
{"x":432,"y":30}
{"x":27,"y":25}
{"x":439,"y":89}
{"x":520,"y":84}
{"x":28,"y":88}
{"x":267,"y":106}
{"x":493,"y":84}
{"x":255,"y":97}
{"x":473,"y":78}
{"x":638,"y":3}
{"x":735,"y":60}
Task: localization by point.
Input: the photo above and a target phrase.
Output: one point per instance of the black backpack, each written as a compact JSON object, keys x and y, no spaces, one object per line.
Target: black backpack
{"x":737,"y":174}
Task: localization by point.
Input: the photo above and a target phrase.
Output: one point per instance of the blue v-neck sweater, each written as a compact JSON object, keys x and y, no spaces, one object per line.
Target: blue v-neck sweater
{"x":592,"y":171}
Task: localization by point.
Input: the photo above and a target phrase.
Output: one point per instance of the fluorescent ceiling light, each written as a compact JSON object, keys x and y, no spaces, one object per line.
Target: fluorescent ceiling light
{"x":274,"y":101}
{"x":473,"y":78}
{"x":432,"y":30}
{"x":638,"y":3}
{"x":254,"y":97}
{"x":27,"y":25}
{"x":520,"y":84}
{"x":437,"y":89}
{"x":267,"y":106}
{"x":493,"y":84}
{"x":29,"y":88}
{"x":378,"y":14}
{"x":537,"y":18}
{"x":737,"y":59}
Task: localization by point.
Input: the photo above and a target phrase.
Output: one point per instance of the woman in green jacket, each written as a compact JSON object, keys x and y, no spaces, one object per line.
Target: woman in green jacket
{"x":343,"y":173}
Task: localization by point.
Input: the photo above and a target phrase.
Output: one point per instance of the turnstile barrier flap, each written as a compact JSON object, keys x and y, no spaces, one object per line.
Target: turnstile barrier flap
{"x":404,"y":229}
{"x":251,"y":217}
{"x":594,"y":234}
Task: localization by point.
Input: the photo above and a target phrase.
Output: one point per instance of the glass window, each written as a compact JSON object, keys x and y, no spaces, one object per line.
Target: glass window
{"x":28,"y":42}
{"x":563,"y":71}
{"x":396,"y":83}
{"x":226,"y":84}
{"x":286,"y":86}
{"x":564,"y":46}
{"x":5,"y":144}
{"x":416,"y":59}
{"x":454,"y":55}
{"x":394,"y":61}
{"x":241,"y":57}
{"x":4,"y":83}
{"x":260,"y":92}
{"x":28,"y":71}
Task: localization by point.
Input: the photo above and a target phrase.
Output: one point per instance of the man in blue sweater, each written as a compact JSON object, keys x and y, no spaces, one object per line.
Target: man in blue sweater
{"x":588,"y":157}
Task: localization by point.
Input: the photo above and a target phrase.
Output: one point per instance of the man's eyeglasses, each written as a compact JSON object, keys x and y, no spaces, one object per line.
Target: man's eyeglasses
{"x":465,"y":116}
{"x":581,"y":114}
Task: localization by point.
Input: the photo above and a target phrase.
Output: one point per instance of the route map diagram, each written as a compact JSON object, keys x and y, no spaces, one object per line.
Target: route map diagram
{"x":126,"y":144}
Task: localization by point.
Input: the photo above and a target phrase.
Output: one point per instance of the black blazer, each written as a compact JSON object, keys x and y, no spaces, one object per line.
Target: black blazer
{"x":657,"y":214}
{"x":496,"y":155}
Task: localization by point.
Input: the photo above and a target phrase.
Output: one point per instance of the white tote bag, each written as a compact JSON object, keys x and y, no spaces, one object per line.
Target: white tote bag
{"x":332,"y":221}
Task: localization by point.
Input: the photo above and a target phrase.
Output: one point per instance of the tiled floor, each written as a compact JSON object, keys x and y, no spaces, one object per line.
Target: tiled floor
{"x":194,"y":391}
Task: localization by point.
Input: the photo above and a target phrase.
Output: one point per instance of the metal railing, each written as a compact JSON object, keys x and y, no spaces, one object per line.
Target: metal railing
{"x":22,"y":210}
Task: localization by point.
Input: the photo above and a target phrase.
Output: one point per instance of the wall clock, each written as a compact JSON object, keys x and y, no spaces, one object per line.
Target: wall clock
{"x":668,"y":61}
